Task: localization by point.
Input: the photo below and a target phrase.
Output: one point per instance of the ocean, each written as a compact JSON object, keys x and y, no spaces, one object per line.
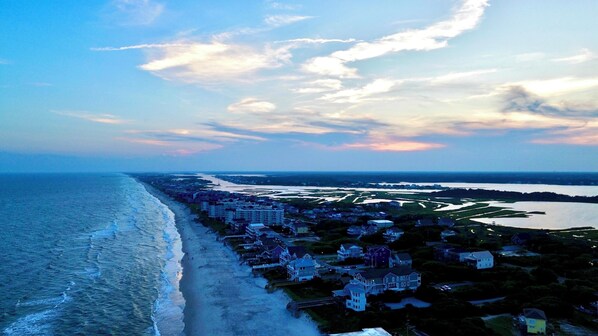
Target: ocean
{"x":84,"y":254}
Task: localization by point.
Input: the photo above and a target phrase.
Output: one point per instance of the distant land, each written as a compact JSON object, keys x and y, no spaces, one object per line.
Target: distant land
{"x":327,"y":179}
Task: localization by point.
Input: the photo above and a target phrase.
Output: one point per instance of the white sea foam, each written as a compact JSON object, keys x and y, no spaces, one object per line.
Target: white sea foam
{"x":53,"y":301}
{"x":107,"y":232}
{"x":32,"y":324}
{"x":47,"y":301}
{"x":167,"y":313}
{"x":39,"y":323}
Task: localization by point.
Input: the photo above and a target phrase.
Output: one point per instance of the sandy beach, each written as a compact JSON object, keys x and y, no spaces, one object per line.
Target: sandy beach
{"x":221,"y":296}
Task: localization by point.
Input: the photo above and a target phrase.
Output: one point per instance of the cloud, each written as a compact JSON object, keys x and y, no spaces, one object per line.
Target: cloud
{"x":136,"y":12}
{"x":529,"y":57}
{"x":584,"y":55}
{"x":582,"y":136}
{"x":176,"y":148}
{"x":283,"y":20}
{"x":321,"y":85}
{"x":306,"y":40}
{"x":518,"y":99}
{"x":458,"y":76}
{"x":151,"y":142}
{"x":377,"y":86}
{"x":329,"y":66}
{"x":283,"y":6}
{"x":193,"y":135}
{"x":301,"y":122}
{"x":355,"y":125}
{"x":4,"y":61}
{"x":275,"y":125}
{"x":207,"y":63}
{"x":251,"y":105}
{"x":326,"y":132}
{"x":270,"y":22}
{"x":186,"y":141}
{"x":394,"y":146}
{"x":141,"y":46}
{"x":466,"y":17}
{"x":557,"y":86}
{"x":98,"y":118}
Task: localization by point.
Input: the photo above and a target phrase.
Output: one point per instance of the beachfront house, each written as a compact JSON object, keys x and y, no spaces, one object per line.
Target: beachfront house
{"x":253,"y":230}
{"x":270,"y":250}
{"x":301,"y":269}
{"x":357,"y":299}
{"x":534,"y":321}
{"x":377,"y":256}
{"x":347,"y":251}
{"x":365,"y":332}
{"x":292,"y":253}
{"x":392,"y":234}
{"x":376,"y":281}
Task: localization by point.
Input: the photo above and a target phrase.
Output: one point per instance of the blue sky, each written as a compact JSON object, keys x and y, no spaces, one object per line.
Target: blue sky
{"x":310,"y":85}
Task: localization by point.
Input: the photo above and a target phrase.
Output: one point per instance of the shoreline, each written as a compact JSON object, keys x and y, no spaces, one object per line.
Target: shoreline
{"x":221,"y":296}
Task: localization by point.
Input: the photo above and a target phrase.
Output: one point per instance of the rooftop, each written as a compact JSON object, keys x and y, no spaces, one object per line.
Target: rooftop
{"x":534,"y":313}
{"x":374,"y":273}
{"x":365,"y":332}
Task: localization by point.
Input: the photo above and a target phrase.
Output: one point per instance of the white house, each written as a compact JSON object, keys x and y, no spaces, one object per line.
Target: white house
{"x":381,"y":223}
{"x":302,"y":269}
{"x":254,"y":229}
{"x":376,"y":281}
{"x":292,"y":253}
{"x":357,"y":299}
{"x":347,"y":251}
{"x":365,"y":332}
{"x":480,"y":260}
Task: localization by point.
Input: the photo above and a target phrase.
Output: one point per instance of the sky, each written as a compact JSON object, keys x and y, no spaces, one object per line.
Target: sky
{"x":397,"y":85}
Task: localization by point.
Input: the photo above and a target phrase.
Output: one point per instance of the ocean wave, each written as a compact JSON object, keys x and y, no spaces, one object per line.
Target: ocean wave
{"x":92,"y":272}
{"x":53,"y":301}
{"x":32,"y":324}
{"x":39,"y":323}
{"x":167,"y":310}
{"x":107,"y":232}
